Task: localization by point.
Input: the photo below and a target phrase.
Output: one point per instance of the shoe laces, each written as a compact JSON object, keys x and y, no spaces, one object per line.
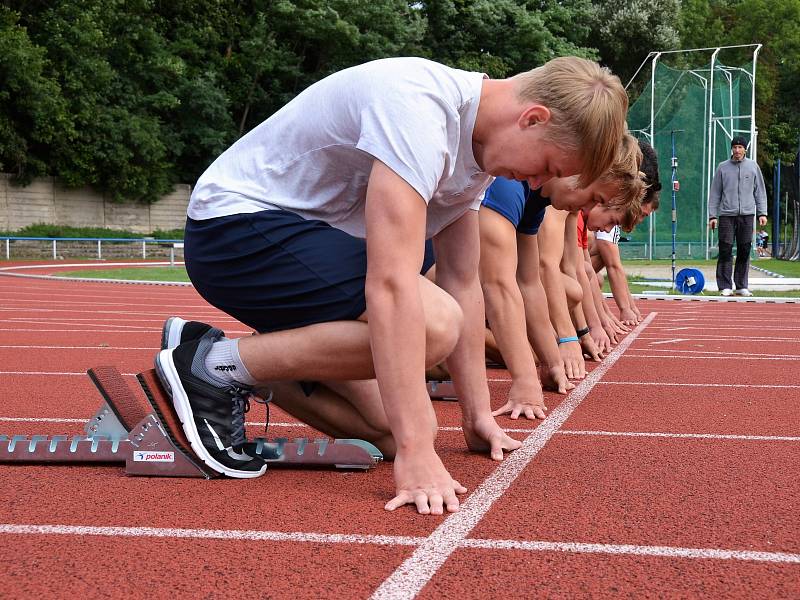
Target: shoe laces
{"x":265,"y":402}
{"x":240,"y":405}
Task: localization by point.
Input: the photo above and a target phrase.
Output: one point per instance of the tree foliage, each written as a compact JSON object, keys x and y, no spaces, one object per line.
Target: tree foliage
{"x":132,"y":96}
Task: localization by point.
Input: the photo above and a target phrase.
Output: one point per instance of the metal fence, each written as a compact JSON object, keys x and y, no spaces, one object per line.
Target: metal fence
{"x":94,"y":248}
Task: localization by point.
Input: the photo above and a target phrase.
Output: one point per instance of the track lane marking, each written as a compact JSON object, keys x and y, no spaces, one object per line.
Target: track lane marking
{"x":653,"y":434}
{"x":393,"y":540}
{"x":637,"y":550}
{"x":415,"y":572}
{"x":701,"y":385}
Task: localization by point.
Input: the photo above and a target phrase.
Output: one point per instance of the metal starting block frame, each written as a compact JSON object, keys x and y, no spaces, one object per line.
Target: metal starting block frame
{"x":149,"y":438}
{"x":442,"y":390}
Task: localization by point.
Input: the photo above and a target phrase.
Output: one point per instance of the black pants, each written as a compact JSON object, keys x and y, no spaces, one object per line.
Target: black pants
{"x":739,"y":228}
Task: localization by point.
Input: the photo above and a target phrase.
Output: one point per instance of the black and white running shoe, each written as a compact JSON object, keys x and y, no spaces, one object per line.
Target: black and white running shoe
{"x":177,"y":331}
{"x":211,"y":411}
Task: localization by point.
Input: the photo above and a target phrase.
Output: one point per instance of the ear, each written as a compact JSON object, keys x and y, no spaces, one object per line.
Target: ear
{"x":534,"y":114}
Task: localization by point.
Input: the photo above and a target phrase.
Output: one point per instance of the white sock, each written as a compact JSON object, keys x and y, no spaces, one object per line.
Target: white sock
{"x":224,"y":362}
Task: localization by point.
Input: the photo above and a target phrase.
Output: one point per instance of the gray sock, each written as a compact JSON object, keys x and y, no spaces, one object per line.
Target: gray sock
{"x":224,"y":362}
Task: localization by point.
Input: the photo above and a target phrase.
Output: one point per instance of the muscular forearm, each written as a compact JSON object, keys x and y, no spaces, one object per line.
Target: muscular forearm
{"x":557,"y":301}
{"x":397,"y":338}
{"x":619,"y":285}
{"x":540,"y":330}
{"x":467,"y":361}
{"x":506,"y":314}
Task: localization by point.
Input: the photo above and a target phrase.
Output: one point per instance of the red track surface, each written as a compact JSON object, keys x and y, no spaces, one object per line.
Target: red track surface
{"x":671,"y":472}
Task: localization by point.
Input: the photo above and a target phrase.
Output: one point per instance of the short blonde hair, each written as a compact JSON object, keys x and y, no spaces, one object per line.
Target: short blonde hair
{"x":625,"y":173}
{"x":587,"y":104}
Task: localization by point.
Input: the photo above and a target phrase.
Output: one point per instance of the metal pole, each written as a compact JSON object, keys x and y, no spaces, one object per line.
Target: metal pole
{"x":54,"y":250}
{"x":8,"y":249}
{"x":675,"y":187}
{"x":776,"y":212}
{"x":99,"y":250}
{"x":144,"y":249}
{"x":753,"y":130}
{"x":651,"y":220}
{"x":710,"y":166}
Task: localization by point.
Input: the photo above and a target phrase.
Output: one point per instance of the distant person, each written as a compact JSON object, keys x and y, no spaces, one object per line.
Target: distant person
{"x":762,"y":243}
{"x":737,"y":194}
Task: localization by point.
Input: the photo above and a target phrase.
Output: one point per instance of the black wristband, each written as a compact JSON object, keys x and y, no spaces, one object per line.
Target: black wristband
{"x":582,"y":332}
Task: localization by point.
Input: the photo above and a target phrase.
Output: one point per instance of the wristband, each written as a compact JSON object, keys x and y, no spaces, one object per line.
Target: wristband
{"x":583,"y":332}
{"x":573,"y":338}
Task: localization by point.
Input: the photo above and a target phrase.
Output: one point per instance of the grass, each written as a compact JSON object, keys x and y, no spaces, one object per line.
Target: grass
{"x":176,"y":274}
{"x":782,"y":267}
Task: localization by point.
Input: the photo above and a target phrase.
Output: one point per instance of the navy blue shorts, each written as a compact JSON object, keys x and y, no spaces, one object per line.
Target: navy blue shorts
{"x":274,"y":270}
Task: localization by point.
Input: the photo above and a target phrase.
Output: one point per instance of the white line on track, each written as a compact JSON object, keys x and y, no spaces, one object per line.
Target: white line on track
{"x":701,"y":436}
{"x":700,"y":385}
{"x":281,"y":424}
{"x":392,"y":540}
{"x":217,"y":534}
{"x":143,"y":330}
{"x":723,"y":338}
{"x":411,"y":576}
{"x":714,"y":352}
{"x":662,"y":357}
{"x":668,"y":551}
{"x":77,"y":347}
{"x":39,"y":373}
{"x":32,"y":321}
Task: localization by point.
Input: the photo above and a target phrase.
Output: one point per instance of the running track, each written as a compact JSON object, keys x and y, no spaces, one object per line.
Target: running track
{"x":673,"y":470}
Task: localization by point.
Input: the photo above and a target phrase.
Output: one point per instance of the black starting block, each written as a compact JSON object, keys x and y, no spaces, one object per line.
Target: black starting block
{"x":149,"y":438}
{"x":442,"y":390}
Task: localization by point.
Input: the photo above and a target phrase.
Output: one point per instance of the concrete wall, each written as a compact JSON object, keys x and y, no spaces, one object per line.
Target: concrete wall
{"x":45,"y":201}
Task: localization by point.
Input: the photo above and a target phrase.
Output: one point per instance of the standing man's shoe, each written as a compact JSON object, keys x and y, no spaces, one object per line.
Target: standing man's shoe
{"x":727,"y":292}
{"x":743,"y":292}
{"x":211,"y":410}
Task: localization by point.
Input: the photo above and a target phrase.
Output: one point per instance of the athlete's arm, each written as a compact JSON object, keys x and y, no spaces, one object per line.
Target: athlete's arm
{"x":537,"y":319}
{"x":395,"y":224}
{"x":551,"y":251}
{"x":506,"y":313}
{"x":617,"y":279}
{"x":457,"y":258}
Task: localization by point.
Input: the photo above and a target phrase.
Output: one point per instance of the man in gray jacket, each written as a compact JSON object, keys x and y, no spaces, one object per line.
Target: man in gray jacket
{"x":737,"y":194}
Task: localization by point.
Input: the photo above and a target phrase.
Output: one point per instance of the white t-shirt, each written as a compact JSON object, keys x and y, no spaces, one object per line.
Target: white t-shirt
{"x":612,"y":236}
{"x":313,"y":157}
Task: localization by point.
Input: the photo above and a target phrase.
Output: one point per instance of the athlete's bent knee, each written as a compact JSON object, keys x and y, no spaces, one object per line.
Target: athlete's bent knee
{"x":442,"y":330}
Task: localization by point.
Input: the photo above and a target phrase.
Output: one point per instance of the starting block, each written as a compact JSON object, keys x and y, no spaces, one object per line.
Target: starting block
{"x":149,"y":439}
{"x":442,"y":390}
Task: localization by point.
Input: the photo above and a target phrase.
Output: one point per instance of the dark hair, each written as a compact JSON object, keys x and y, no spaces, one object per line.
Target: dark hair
{"x":649,"y":166}
{"x":738,"y":141}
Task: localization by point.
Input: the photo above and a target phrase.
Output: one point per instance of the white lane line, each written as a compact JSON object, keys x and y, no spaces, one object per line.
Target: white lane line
{"x":282,"y":424}
{"x":84,"y":331}
{"x":662,"y":357}
{"x":725,"y":338}
{"x":720,"y":327}
{"x":77,"y":347}
{"x":702,"y":436}
{"x":217,"y":534}
{"x":395,"y":540}
{"x":700,"y":385}
{"x":667,"y":551}
{"x":40,"y":420}
{"x":672,"y":341}
{"x":715,"y":353}
{"x":411,"y":576}
{"x":62,"y":373}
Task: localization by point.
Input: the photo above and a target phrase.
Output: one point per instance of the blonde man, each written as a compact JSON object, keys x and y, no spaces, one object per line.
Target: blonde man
{"x":310,"y":229}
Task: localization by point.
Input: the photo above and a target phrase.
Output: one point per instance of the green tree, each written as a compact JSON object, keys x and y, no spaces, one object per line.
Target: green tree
{"x":33,"y":113}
